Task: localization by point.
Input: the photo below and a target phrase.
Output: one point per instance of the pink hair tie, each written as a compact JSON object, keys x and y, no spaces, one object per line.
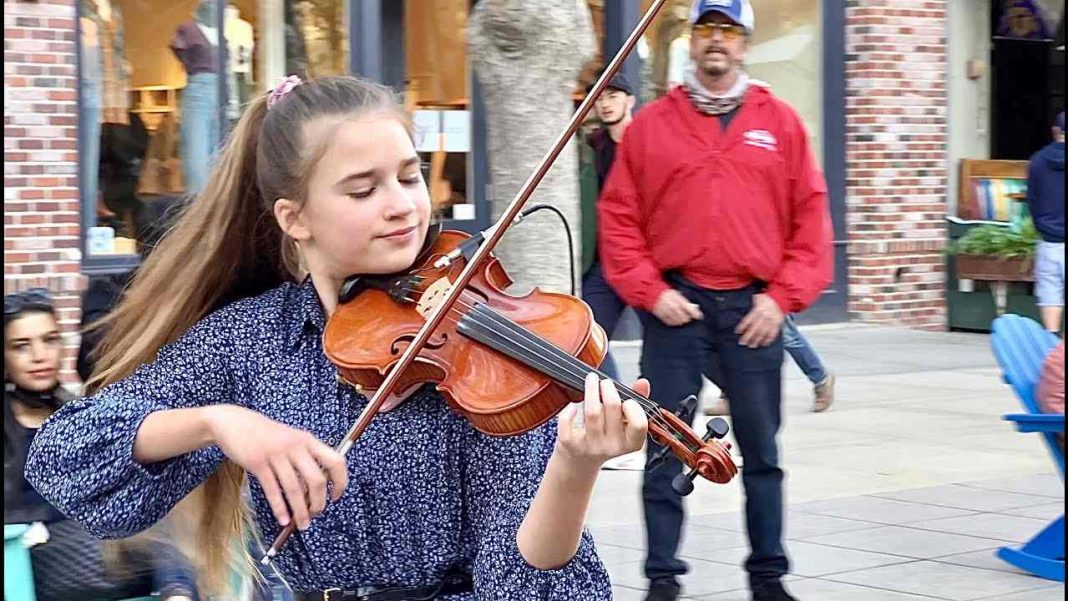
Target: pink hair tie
{"x":284,"y":87}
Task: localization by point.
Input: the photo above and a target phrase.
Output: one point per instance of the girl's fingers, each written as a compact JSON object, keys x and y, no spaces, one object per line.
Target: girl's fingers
{"x":273,"y":492}
{"x":641,"y":386}
{"x":337,"y":470}
{"x":565,"y":425}
{"x":592,"y":410}
{"x":637,"y":425}
{"x":293,"y":489}
{"x":613,"y":415}
{"x":315,"y":481}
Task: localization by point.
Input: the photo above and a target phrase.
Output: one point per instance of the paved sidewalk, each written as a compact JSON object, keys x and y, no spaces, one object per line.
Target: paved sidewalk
{"x":903,"y":491}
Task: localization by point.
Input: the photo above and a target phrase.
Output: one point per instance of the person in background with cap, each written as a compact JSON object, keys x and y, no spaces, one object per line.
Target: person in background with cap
{"x":714,"y":223}
{"x":615,"y":109}
{"x":1045,"y":198}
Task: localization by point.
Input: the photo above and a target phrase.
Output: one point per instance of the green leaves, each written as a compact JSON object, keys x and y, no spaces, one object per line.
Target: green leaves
{"x":997,"y":240}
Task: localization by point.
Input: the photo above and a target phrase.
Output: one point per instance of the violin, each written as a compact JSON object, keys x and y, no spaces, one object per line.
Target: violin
{"x":506,"y":363}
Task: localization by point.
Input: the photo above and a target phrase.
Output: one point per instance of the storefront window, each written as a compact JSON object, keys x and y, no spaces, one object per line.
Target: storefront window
{"x":149,"y":111}
{"x":784,"y":52}
{"x":271,"y":39}
{"x":438,"y":92}
{"x":158,"y":95}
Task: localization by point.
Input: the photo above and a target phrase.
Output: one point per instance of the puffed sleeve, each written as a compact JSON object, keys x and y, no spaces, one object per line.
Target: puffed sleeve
{"x":501,"y":478}
{"x":81,"y":459}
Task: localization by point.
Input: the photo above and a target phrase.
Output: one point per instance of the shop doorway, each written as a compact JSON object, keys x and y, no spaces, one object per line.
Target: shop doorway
{"x":1027,"y":79}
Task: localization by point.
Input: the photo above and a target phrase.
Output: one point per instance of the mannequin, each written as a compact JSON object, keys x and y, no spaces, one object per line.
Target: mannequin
{"x":240,"y":41}
{"x":104,"y":99}
{"x":116,"y":70}
{"x":195,"y":44}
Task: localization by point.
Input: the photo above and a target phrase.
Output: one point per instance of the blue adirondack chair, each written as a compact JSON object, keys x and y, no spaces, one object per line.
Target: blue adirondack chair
{"x":1021,"y":347}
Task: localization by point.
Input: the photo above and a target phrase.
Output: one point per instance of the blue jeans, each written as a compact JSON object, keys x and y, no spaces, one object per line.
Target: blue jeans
{"x":673,"y":359}
{"x":171,"y":574}
{"x":607,"y":308}
{"x":199,"y":128}
{"x":802,"y":352}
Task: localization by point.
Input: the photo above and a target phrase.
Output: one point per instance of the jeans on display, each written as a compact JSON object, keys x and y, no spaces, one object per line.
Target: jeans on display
{"x":802,"y":352}
{"x":199,"y":128}
{"x":89,"y":121}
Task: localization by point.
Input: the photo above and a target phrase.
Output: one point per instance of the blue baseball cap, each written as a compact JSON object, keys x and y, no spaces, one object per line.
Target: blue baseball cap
{"x":739,"y":11}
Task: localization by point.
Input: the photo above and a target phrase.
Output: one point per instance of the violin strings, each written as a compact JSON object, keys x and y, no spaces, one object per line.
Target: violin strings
{"x":574,"y":370}
{"x":528,"y":355}
{"x":571,"y":364}
{"x":651,"y":407}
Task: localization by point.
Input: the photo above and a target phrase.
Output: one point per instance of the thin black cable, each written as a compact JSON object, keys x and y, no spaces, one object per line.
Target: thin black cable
{"x":567,"y":230}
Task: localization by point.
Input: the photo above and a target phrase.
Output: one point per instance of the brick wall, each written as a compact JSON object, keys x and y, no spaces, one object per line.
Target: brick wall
{"x":41,"y":206}
{"x":896,"y":71}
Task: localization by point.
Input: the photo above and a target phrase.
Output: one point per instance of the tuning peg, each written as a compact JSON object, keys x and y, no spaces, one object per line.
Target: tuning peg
{"x":682,"y":484}
{"x":716,"y":428}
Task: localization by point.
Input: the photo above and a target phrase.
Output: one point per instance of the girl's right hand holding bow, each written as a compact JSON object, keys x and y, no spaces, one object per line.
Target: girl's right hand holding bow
{"x":292,"y":466}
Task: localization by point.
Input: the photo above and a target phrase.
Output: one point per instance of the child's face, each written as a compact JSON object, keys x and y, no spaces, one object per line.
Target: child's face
{"x":32,"y":349}
{"x":368,"y":208}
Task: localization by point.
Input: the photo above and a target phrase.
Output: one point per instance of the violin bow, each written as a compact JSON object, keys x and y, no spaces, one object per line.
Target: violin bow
{"x":437,"y":315}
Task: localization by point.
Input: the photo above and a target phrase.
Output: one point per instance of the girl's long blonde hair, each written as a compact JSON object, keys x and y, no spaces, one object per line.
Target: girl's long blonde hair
{"x":225,"y":246}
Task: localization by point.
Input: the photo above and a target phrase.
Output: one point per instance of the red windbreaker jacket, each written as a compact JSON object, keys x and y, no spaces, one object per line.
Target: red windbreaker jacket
{"x":724,"y":208}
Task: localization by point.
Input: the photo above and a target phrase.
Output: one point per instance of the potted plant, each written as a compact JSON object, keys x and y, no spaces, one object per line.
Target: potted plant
{"x":997,"y":253}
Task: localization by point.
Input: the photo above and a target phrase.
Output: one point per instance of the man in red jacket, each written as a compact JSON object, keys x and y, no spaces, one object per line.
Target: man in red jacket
{"x":714,"y":224}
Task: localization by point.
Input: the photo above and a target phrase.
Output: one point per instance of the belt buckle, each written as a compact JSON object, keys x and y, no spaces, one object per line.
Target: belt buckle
{"x":333,"y":594}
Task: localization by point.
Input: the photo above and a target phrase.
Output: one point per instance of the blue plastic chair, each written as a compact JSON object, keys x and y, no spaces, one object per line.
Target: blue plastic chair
{"x":1021,"y":346}
{"x":18,"y":573}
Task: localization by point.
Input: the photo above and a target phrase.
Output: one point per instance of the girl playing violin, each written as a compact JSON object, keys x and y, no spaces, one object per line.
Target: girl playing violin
{"x":213,"y":368}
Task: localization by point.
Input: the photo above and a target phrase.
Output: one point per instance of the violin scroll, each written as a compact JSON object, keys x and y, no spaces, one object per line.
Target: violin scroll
{"x":703,"y":456}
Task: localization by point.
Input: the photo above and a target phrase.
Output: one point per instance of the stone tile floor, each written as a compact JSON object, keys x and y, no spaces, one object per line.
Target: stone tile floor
{"x":903,"y":491}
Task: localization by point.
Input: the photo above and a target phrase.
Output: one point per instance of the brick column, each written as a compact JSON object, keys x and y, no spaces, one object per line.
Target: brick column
{"x":896,"y":138}
{"x":41,"y":201}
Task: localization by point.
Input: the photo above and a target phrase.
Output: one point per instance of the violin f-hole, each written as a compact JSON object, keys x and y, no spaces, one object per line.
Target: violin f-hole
{"x":434,"y":343}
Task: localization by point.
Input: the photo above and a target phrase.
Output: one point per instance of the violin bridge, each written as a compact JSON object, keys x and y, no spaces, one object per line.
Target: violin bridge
{"x":434,"y":294}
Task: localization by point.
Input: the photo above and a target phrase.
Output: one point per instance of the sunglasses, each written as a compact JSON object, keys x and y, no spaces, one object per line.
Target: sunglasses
{"x":729,"y":31}
{"x":34,"y":298}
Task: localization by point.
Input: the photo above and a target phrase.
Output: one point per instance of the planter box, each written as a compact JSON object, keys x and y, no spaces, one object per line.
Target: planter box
{"x":998,"y":269}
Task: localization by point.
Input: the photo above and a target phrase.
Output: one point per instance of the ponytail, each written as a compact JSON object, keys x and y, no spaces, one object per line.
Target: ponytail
{"x":224,"y":246}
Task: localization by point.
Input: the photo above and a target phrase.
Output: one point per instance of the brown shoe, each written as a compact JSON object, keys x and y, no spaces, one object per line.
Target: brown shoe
{"x":720,"y":407}
{"x":823,"y":394}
